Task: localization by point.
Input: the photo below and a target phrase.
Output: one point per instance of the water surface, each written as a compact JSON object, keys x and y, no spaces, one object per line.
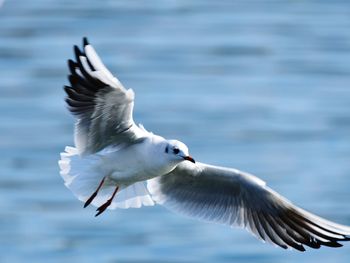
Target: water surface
{"x":262,"y":86}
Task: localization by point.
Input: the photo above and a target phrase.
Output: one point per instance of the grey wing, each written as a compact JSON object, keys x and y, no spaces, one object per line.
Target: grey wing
{"x":102,"y":106}
{"x":232,"y":197}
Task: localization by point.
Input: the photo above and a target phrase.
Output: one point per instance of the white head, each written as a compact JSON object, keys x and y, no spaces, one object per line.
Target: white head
{"x":177,"y":151}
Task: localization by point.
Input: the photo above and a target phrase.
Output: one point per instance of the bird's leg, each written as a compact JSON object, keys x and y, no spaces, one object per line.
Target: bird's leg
{"x":92,"y":197}
{"x":103,"y":207}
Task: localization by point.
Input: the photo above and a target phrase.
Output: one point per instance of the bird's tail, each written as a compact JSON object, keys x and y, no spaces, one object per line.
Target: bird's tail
{"x":83,"y":174}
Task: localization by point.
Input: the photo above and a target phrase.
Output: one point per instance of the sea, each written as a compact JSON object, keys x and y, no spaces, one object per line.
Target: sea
{"x":259,"y":85}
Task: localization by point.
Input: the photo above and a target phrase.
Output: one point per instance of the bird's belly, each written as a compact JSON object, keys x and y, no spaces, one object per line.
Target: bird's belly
{"x":128,"y":177}
{"x":138,"y":162}
{"x":124,"y":169}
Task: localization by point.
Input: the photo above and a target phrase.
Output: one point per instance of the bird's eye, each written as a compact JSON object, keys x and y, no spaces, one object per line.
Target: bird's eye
{"x":176,"y":150}
{"x":166,"y":149}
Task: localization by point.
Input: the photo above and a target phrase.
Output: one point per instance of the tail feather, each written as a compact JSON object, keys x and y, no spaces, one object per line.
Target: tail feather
{"x":82,"y":175}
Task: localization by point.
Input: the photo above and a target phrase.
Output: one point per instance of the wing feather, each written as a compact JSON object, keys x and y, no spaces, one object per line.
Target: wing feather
{"x":102,"y":106}
{"x":235,"y":198}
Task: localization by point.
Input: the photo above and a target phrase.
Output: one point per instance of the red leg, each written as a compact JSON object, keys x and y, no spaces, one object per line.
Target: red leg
{"x":92,"y":197}
{"x":103,"y":207}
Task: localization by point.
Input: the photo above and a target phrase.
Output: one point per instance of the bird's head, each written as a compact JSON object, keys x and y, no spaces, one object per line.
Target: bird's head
{"x":177,"y":151}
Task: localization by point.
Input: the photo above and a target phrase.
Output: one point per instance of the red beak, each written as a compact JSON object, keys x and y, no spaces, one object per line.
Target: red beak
{"x":189,"y":158}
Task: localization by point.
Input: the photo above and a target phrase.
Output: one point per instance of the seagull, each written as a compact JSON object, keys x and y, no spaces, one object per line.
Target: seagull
{"x":118,"y":164}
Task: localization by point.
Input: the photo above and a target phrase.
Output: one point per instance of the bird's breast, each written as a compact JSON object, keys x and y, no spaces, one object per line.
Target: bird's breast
{"x":135,"y":164}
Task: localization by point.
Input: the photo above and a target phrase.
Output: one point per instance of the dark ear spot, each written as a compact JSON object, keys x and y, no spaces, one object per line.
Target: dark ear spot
{"x":167,"y":149}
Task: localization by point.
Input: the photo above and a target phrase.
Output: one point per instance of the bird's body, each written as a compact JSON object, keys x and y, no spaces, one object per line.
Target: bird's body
{"x":118,"y":164}
{"x":128,"y":164}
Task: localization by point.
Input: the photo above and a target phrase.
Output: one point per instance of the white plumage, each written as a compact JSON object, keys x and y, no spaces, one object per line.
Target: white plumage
{"x":117,"y":164}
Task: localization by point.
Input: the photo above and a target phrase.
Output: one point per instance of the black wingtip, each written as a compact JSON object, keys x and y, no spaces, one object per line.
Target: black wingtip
{"x":85,"y":41}
{"x":332,"y":244}
{"x":71,"y":65}
{"x":67,"y":89}
{"x":77,"y":51}
{"x":302,"y":249}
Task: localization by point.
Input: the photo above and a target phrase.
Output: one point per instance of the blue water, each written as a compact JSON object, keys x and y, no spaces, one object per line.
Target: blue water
{"x":263,"y":86}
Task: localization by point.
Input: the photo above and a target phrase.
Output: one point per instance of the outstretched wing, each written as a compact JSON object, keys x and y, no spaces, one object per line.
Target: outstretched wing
{"x":102,"y":106}
{"x":232,"y":197}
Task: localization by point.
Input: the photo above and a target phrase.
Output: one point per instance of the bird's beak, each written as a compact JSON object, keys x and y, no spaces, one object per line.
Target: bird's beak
{"x":189,"y":158}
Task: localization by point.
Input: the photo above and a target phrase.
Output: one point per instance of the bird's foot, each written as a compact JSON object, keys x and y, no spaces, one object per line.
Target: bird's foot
{"x":92,"y":197}
{"x":103,"y":207}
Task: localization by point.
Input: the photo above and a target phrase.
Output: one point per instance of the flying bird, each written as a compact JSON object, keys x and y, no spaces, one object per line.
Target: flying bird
{"x":118,"y":164}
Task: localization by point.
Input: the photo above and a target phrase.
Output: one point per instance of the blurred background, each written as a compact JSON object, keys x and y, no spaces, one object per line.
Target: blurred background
{"x":259,"y":85}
